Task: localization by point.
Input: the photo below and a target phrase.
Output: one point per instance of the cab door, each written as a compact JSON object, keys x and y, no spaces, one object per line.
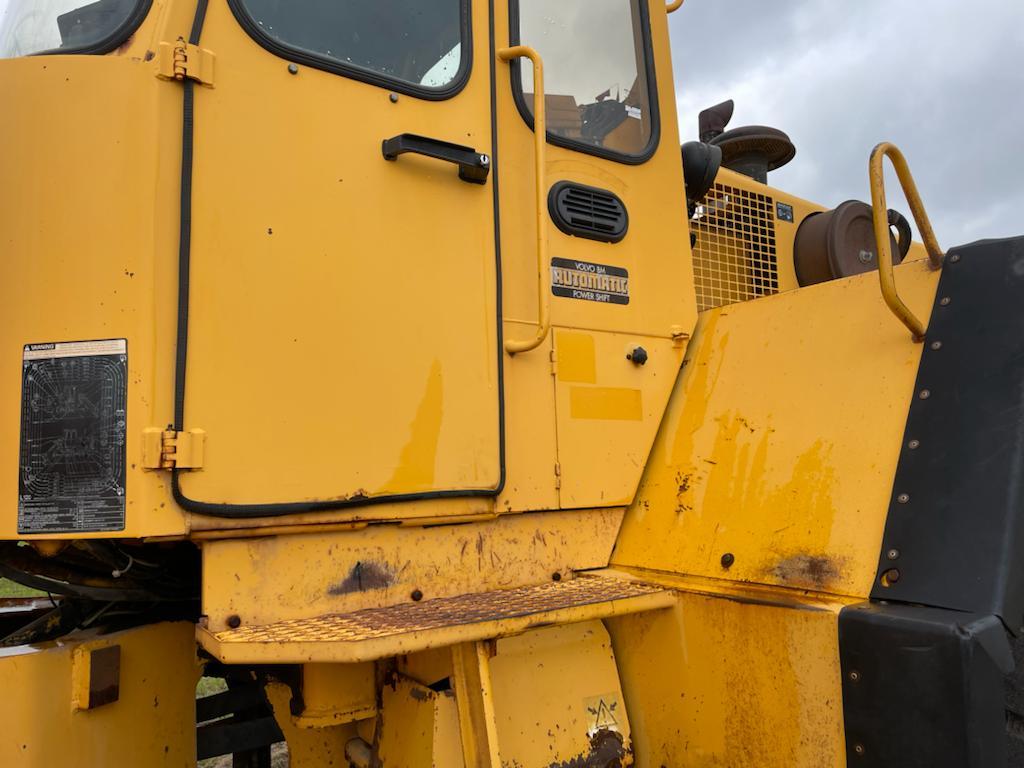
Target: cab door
{"x":342,"y":342}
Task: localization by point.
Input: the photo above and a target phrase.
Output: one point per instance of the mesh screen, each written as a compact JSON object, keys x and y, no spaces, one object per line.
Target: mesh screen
{"x":734,"y":258}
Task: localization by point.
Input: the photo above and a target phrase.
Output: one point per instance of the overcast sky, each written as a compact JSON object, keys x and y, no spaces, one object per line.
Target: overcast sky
{"x":943,"y":79}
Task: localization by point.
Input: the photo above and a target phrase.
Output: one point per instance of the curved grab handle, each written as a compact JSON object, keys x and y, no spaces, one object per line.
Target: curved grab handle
{"x":674,"y":6}
{"x":880,"y":214}
{"x":540,"y":137}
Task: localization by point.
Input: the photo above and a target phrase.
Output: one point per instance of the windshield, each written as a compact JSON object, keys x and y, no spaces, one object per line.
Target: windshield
{"x":418,"y":42}
{"x":35,"y":26}
{"x":596,"y":70}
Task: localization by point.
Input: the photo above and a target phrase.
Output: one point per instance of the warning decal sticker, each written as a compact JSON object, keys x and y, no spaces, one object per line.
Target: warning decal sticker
{"x":71,"y":477}
{"x":590,"y":282}
{"x":602,"y":713}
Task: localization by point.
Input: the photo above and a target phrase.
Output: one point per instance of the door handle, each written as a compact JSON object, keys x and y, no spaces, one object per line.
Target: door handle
{"x":474,"y":166}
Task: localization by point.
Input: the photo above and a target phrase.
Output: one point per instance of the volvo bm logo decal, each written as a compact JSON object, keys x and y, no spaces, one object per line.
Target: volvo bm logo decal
{"x":590,"y":282}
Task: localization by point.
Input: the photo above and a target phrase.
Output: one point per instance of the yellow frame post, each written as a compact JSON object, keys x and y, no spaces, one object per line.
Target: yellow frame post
{"x":474,"y":697}
{"x":880,"y":213}
{"x":540,"y":137}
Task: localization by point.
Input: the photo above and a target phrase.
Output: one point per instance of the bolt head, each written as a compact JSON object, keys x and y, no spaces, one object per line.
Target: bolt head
{"x":234,"y":621}
{"x":925,"y":394}
{"x":638,"y":356}
{"x":416,"y":595}
{"x":859,"y":749}
{"x":945,"y":301}
{"x":936,"y":345}
{"x":854,"y":676}
{"x":728,"y":559}
{"x":903,"y":498}
{"x":954,"y":258}
{"x":914,"y":445}
{"x":893,"y":554}
{"x":293,"y":69}
{"x":393,"y":97}
{"x":485,"y":160}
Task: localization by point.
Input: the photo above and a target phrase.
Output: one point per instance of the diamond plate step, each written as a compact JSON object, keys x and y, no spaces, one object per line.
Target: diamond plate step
{"x":376,"y":633}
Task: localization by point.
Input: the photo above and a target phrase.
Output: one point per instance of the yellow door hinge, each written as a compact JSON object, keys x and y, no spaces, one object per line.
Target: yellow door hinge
{"x":167,"y":449}
{"x":180,"y":61}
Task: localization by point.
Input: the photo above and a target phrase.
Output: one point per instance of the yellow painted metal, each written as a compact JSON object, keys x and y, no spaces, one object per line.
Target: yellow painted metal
{"x":336,"y":694}
{"x":881,"y":223}
{"x":151,"y":725}
{"x":608,"y":411}
{"x":181,"y":61}
{"x":296,"y":212}
{"x":674,"y":6}
{"x":419,"y":727}
{"x":781,"y":441}
{"x":557,"y":696}
{"x":744,"y":250}
{"x":281,"y":578}
{"x":540,"y":170}
{"x":474,"y":696}
{"x":377,"y":633}
{"x":308,"y":747}
{"x":732,"y":678}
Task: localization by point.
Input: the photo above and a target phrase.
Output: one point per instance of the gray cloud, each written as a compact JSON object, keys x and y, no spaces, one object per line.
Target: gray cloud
{"x":942,"y":79}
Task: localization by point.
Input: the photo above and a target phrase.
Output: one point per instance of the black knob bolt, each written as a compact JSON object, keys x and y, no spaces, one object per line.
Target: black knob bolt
{"x":638,"y":356}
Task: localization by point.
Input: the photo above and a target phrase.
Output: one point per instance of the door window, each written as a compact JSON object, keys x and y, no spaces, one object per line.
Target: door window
{"x":598,"y":74}
{"x":67,"y":26}
{"x":421,"y":45}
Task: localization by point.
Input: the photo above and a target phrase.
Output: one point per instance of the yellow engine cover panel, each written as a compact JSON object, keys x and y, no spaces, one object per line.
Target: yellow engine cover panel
{"x":781,"y":441}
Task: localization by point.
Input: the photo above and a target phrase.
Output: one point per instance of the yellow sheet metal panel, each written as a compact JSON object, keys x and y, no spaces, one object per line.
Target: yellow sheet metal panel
{"x":418,"y":727}
{"x":557,"y":698}
{"x":151,"y":723}
{"x":723,"y":681}
{"x":319,"y":364}
{"x":609,"y":410}
{"x":293,"y":577}
{"x":86,"y":211}
{"x":781,"y":440}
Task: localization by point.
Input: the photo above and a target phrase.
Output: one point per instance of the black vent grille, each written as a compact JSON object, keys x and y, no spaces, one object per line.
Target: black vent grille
{"x":595,"y":214}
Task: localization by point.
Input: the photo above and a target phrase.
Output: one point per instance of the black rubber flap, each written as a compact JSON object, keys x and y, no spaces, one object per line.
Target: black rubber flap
{"x":923,"y":687}
{"x":953,"y":538}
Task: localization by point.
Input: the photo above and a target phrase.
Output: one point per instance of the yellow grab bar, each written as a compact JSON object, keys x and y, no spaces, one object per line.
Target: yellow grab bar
{"x":540,"y":142}
{"x":675,"y":5}
{"x":880,"y":213}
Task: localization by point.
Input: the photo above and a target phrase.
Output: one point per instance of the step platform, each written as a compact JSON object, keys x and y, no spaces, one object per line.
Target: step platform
{"x":376,"y":633}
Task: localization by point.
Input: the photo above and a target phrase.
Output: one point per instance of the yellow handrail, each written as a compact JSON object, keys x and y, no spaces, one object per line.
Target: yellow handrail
{"x":540,"y":137}
{"x":674,"y":6}
{"x":880,"y":213}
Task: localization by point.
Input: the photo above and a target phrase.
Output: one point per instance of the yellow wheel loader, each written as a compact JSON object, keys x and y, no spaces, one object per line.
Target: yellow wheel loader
{"x":385,"y":365}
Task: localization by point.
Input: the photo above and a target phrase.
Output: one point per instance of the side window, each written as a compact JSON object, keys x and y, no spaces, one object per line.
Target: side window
{"x":420,"y":45}
{"x":598,"y":72}
{"x":67,"y":26}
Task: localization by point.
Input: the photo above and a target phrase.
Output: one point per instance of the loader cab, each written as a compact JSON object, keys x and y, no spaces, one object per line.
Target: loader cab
{"x":323,"y":273}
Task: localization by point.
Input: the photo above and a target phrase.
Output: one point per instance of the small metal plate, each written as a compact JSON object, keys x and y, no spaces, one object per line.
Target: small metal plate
{"x":73,"y":419}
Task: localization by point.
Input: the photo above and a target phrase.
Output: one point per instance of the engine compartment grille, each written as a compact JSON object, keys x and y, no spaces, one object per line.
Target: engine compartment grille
{"x":734,"y":258}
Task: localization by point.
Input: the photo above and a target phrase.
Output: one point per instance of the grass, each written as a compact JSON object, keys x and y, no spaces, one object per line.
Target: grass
{"x":13,"y":589}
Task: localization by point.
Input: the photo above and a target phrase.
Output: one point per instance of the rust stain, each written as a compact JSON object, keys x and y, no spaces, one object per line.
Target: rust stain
{"x":812,"y":571}
{"x":364,"y":577}
{"x":606,"y":751}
